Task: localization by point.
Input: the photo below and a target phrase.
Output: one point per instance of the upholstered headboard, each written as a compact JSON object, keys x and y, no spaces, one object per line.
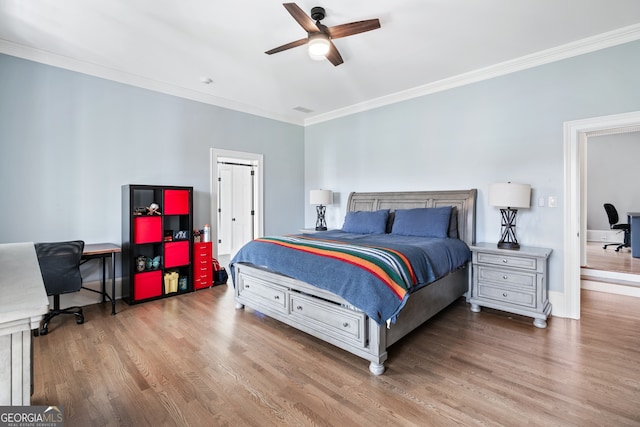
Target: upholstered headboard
{"x":463,"y":201}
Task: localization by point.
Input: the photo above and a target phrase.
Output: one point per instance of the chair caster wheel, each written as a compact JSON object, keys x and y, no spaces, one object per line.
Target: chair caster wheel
{"x":44,"y":331}
{"x":80,"y":320}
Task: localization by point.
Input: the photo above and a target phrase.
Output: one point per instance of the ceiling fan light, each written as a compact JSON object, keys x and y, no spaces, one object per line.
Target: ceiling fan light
{"x":318,"y":46}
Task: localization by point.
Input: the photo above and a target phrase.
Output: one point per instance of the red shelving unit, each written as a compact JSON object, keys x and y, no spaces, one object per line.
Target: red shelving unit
{"x":157,"y":245}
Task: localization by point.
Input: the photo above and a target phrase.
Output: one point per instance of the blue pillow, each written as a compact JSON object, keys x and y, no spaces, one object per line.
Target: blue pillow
{"x":424,"y":222}
{"x":366,"y":222}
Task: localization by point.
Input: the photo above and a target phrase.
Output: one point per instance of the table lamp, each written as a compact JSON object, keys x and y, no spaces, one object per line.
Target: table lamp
{"x":320,"y":198}
{"x":509,"y":197}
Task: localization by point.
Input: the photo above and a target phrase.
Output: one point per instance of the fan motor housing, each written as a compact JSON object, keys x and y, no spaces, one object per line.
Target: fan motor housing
{"x":317,"y":13}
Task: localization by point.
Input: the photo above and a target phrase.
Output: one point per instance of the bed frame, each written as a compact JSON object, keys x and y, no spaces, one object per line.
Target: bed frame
{"x":331,"y":318}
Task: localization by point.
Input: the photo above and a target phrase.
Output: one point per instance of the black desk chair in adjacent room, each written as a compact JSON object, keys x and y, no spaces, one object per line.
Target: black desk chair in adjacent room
{"x":612,"y":214}
{"x":60,"y":268}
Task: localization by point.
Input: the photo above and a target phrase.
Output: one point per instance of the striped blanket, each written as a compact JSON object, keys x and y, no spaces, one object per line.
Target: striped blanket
{"x":391,"y":267}
{"x":376,"y":277}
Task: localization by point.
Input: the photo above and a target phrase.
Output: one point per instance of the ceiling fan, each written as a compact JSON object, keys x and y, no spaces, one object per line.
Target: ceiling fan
{"x":319,"y":36}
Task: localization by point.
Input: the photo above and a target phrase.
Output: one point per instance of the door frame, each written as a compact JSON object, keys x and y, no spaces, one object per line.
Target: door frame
{"x":258,"y":160}
{"x":575,"y":212}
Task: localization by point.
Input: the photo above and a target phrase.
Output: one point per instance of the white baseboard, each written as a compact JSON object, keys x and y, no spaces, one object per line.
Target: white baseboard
{"x":605,"y":236}
{"x":610,"y":288}
{"x":557,"y":301}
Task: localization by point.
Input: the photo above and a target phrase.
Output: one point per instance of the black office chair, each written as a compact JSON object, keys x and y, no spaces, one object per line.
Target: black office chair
{"x":60,"y":268}
{"x":612,"y":214}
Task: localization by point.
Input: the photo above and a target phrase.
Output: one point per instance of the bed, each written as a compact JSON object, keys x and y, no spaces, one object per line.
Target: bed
{"x":328,"y":310}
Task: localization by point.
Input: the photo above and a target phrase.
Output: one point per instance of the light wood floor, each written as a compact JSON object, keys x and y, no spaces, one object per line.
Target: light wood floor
{"x":610,"y":260}
{"x":194,"y":360}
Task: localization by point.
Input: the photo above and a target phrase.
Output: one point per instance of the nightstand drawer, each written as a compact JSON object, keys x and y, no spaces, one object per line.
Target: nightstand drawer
{"x":525,"y":299}
{"x":519,"y":279}
{"x":506,"y":260}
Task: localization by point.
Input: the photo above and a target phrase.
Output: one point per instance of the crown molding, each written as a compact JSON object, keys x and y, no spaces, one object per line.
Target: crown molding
{"x":67,"y":63}
{"x":580,"y":47}
{"x":569,"y":50}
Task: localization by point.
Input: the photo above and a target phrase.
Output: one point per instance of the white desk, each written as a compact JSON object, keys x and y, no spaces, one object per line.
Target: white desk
{"x":23,"y":302}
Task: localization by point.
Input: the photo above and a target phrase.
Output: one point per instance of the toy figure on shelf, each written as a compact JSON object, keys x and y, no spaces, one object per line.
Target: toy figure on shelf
{"x":141,"y":262}
{"x":153,"y":209}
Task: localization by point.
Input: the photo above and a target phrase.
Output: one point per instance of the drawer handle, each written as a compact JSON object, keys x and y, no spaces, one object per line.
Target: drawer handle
{"x":246,"y":286}
{"x":505,"y":261}
{"x":504,"y":294}
{"x":345,"y":324}
{"x":505,"y":277}
{"x":299,"y":307}
{"x":277,"y":297}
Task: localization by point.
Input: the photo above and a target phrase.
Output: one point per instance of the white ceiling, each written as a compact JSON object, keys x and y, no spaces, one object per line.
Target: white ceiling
{"x":422,"y":46}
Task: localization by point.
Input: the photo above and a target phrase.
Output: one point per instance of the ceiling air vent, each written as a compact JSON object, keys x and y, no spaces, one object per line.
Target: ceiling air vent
{"x":303,"y":110}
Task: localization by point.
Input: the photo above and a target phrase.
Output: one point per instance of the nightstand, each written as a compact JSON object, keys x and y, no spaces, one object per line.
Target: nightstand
{"x":511,"y":280}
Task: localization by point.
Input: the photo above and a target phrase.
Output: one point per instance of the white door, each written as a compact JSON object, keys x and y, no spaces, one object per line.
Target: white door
{"x":235,"y":207}
{"x":224,"y":212}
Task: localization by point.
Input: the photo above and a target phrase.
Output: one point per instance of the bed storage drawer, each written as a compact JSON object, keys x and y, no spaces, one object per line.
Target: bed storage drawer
{"x":260,"y":292}
{"x":331,"y":319}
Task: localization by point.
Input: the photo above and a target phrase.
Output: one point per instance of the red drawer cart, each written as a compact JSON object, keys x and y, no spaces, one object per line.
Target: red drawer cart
{"x":202,"y":267}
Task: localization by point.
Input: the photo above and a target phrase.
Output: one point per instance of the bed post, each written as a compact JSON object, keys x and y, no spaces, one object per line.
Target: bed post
{"x":378,"y":346}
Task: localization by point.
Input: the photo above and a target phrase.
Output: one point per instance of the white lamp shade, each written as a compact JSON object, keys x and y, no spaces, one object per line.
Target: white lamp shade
{"x":320,"y":197}
{"x":509,"y":195}
{"x":318,"y":46}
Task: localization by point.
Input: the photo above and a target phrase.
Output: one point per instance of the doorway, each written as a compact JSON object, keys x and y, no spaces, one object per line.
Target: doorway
{"x":611,"y":172}
{"x":575,"y":226}
{"x":236,"y":200}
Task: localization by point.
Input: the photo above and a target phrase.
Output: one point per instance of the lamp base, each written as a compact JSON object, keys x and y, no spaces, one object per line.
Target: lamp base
{"x":509,"y":245}
{"x":321,"y":224}
{"x":508,"y":238}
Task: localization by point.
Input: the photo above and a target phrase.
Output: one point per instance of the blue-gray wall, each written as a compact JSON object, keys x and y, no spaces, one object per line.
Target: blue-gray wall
{"x":69,"y":141}
{"x":507,"y":128}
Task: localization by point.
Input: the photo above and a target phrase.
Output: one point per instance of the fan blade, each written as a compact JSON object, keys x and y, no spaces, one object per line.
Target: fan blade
{"x":287,"y":46}
{"x":345,"y":30}
{"x":302,"y":18}
{"x":333,"y":55}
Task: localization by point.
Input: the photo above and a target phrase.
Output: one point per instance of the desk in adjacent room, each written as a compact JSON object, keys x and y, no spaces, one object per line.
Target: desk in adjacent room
{"x":102,"y":251}
{"x":634,"y":222}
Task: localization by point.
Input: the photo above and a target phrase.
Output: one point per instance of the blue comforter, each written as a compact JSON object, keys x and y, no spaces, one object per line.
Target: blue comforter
{"x":375,"y":273}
